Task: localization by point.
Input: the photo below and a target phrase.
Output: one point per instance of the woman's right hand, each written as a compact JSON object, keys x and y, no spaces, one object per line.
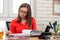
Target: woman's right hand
{"x":8,"y":32}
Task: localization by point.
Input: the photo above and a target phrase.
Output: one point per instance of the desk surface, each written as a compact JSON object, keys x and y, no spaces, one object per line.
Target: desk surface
{"x":36,"y":38}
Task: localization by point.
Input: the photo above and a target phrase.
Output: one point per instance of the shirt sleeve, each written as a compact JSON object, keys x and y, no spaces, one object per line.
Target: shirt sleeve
{"x":12,"y":27}
{"x":33,"y":24}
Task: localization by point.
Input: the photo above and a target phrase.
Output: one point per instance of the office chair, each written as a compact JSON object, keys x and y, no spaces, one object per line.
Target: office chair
{"x":8,"y":25}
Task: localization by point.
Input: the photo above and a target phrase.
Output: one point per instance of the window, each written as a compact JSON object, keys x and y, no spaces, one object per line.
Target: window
{"x":9,"y":8}
{"x":1,"y":6}
{"x":17,"y":3}
{"x":56,"y":6}
{"x":14,"y":5}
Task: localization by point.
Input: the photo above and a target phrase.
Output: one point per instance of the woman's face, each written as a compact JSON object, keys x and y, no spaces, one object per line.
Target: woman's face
{"x":23,"y":12}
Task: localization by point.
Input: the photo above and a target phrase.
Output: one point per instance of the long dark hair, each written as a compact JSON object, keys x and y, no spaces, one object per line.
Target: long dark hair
{"x":28,"y":16}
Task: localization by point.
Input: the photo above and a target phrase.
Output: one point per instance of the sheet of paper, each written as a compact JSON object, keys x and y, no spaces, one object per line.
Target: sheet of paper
{"x":26,"y":32}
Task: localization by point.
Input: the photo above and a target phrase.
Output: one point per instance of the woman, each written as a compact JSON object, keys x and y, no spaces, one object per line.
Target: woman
{"x":23,"y":21}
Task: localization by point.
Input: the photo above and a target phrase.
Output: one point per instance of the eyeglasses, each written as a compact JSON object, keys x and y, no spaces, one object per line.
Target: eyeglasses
{"x":21,"y":11}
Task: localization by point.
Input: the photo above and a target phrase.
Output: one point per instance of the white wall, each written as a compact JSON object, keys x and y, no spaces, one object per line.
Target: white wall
{"x":44,"y":12}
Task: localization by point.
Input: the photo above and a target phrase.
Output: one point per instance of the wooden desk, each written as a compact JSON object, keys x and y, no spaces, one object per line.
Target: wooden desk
{"x":36,"y":38}
{"x":33,"y":38}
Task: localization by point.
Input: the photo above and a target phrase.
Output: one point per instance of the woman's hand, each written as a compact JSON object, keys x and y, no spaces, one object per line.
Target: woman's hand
{"x":8,"y":32}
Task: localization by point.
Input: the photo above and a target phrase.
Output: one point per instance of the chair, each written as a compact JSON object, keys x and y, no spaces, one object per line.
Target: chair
{"x":8,"y":25}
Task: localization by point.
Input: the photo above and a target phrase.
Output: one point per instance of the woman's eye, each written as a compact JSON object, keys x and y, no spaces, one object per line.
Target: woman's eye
{"x":23,"y":11}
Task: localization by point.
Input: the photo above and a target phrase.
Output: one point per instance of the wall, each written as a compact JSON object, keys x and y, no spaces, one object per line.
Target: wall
{"x":44,"y":13}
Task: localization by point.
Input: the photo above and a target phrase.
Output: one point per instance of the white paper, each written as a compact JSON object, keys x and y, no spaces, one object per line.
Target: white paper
{"x":26,"y":32}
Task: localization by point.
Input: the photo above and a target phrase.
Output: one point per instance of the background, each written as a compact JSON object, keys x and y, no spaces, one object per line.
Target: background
{"x":42,"y":11}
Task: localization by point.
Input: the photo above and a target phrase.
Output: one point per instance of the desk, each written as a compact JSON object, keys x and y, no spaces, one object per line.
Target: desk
{"x":36,"y":38}
{"x":30,"y":38}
